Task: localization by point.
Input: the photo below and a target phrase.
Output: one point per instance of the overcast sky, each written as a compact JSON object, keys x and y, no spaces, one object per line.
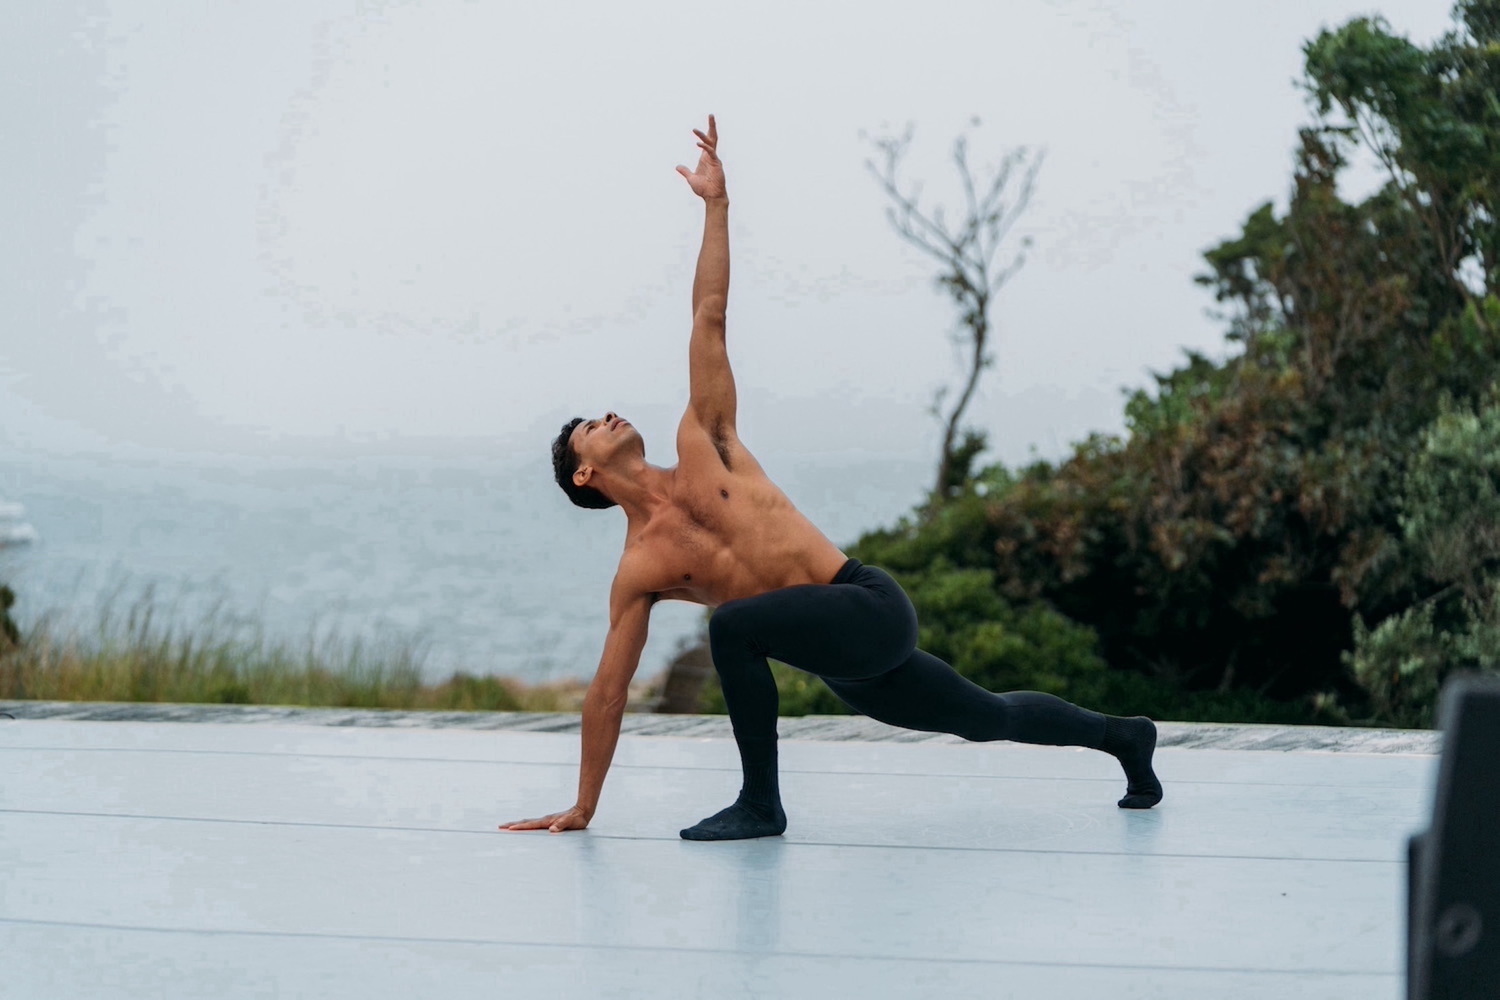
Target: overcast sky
{"x":305,"y":226}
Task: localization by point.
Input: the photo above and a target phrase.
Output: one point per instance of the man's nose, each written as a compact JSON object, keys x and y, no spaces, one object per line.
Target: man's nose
{"x":608,"y":417}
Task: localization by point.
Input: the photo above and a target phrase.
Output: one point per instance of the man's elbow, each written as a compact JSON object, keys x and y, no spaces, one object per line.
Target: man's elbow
{"x":710,"y":311}
{"x":607,"y":697}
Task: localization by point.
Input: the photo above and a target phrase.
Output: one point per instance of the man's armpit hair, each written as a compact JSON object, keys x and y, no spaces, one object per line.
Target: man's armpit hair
{"x":721,"y":442}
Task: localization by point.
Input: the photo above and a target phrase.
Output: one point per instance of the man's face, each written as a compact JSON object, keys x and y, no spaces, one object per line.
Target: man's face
{"x":599,"y":440}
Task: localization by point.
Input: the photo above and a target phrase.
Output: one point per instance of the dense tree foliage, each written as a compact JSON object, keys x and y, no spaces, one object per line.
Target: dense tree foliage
{"x":1450,"y":521}
{"x":1311,"y":528}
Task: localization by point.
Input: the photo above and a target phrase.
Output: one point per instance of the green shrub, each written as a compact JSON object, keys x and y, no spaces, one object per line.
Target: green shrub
{"x":1450,"y":518}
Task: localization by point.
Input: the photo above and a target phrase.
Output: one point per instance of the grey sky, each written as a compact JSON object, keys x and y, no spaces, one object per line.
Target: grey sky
{"x":295,"y":226}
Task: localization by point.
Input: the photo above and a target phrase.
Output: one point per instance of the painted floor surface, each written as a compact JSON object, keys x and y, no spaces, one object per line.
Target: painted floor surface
{"x":225,"y":861}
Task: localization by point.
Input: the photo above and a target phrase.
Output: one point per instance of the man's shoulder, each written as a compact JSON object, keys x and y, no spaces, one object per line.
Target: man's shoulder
{"x":641,"y":572}
{"x":714,"y":446}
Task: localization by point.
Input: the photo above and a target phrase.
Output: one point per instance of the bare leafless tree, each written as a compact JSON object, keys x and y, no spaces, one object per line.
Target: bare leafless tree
{"x":967,"y":257}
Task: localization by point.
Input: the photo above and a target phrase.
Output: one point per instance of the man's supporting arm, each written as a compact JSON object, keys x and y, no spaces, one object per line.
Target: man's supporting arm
{"x":604,"y":705}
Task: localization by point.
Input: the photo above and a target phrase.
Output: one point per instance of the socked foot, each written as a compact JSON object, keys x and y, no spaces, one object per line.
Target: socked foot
{"x":1138,"y":745}
{"x":740,"y":821}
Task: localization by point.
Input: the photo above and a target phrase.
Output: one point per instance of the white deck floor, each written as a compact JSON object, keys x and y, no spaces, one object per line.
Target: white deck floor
{"x":149,"y":859}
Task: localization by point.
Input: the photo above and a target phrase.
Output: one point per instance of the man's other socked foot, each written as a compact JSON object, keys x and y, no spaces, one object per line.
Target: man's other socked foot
{"x":740,"y":821}
{"x":1135,"y":744}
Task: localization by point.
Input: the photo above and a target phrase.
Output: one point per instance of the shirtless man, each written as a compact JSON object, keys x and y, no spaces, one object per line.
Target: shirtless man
{"x":716,"y":531}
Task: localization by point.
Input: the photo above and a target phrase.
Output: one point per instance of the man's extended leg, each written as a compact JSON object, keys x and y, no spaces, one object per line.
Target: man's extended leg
{"x":922,"y":692}
{"x":927,"y":694}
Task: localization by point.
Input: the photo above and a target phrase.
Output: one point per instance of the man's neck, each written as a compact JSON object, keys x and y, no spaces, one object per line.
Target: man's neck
{"x":642,"y":491}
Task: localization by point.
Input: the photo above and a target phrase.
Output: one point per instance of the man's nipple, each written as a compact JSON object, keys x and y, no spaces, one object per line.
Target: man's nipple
{"x":724,"y":494}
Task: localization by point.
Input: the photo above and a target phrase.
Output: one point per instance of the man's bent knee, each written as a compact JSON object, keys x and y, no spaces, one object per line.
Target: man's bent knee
{"x":727,"y":627}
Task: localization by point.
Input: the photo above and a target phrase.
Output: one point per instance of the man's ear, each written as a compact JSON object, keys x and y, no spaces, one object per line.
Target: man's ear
{"x":582,"y":476}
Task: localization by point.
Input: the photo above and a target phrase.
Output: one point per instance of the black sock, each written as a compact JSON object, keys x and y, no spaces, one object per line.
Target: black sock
{"x":757,"y":812}
{"x":1133,"y":742}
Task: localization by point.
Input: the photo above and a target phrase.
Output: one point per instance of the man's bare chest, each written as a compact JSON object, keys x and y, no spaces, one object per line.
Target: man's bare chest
{"x":698,"y":548}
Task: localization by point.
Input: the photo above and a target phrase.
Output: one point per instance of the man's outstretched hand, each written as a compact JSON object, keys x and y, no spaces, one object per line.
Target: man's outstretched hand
{"x":707,"y":181}
{"x":572,"y":819}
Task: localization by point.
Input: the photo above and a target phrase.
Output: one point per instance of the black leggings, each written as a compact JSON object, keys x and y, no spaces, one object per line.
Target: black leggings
{"x":859,"y":634}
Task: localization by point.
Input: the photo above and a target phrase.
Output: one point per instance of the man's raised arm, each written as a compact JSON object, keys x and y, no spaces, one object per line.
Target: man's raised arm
{"x":713,"y":399}
{"x":711,"y":282}
{"x":604,"y":705}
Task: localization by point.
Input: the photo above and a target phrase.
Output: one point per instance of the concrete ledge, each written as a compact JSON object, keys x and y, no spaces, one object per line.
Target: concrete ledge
{"x":834,"y":728}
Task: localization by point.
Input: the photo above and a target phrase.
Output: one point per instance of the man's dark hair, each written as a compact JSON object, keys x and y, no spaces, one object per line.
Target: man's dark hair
{"x":565,"y":463}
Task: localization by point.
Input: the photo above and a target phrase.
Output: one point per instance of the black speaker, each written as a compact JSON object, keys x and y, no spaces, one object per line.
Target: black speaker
{"x":1453,"y":873}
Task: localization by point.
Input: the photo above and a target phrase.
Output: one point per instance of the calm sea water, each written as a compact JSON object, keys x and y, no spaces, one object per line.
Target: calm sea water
{"x":483,"y":565}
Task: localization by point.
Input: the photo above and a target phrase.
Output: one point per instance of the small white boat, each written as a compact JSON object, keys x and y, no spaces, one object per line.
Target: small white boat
{"x":13,"y":530}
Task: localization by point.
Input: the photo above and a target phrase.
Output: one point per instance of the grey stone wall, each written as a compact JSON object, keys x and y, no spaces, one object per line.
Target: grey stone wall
{"x":812,"y":727}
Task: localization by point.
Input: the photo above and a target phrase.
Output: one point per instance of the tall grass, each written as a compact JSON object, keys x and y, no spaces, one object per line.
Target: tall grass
{"x":134,"y":653}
